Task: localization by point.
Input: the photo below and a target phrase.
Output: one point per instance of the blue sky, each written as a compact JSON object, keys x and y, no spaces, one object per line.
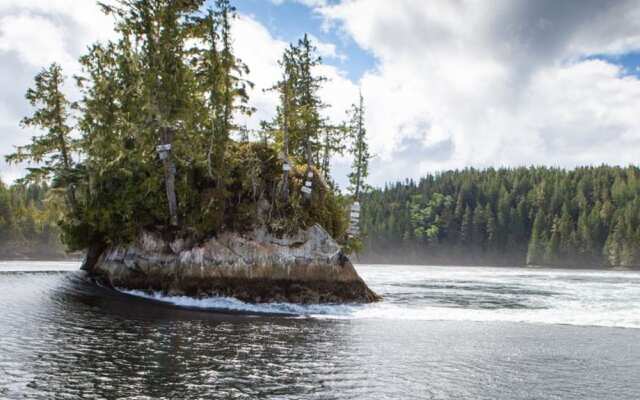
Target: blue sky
{"x":629,"y":61}
{"x":289,"y":21}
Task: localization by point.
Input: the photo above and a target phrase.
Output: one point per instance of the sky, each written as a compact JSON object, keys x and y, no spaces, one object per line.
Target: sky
{"x":447,"y":84}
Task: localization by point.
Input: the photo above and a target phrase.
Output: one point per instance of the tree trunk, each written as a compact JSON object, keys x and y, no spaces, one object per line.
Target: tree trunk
{"x":66,"y":159}
{"x":170,"y":177}
{"x":309,"y":165}
{"x":309,"y":154}
{"x":359,"y":167}
{"x":285,"y":129}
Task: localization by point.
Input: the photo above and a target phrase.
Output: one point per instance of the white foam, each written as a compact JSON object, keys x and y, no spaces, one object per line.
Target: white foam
{"x":583,"y":298}
{"x":39,"y":266}
{"x":233,"y":304}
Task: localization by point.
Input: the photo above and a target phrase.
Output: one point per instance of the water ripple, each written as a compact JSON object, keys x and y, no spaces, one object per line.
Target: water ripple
{"x":62,"y":337}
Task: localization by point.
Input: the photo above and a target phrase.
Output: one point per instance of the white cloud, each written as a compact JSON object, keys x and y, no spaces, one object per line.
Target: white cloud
{"x":57,"y":30}
{"x":255,"y":45}
{"x":33,"y":34}
{"x":327,"y":50}
{"x":506,"y":83}
{"x":46,"y":41}
{"x":260,"y":51}
{"x":456,"y":83}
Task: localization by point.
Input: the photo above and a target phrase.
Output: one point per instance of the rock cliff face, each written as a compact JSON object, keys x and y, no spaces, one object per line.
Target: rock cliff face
{"x":257,"y":267}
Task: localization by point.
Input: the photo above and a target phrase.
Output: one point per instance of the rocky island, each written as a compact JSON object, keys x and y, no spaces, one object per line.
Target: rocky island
{"x":154,"y":176}
{"x":308,"y":267}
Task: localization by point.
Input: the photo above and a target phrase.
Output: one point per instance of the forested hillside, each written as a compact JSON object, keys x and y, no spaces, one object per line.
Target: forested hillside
{"x":538,"y":216}
{"x":28,"y":223}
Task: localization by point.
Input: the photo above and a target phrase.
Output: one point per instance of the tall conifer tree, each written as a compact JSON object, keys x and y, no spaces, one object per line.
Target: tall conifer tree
{"x":52,"y":150}
{"x":359,"y":149}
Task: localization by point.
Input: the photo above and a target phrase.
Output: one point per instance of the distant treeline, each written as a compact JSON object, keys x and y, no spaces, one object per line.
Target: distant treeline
{"x":587,"y":217}
{"x":28,"y":223}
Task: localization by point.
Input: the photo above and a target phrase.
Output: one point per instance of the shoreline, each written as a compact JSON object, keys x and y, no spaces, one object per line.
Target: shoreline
{"x":538,"y":267}
{"x":43,"y":259}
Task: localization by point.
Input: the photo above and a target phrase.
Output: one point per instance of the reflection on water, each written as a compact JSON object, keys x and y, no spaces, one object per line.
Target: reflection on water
{"x":61,"y":337}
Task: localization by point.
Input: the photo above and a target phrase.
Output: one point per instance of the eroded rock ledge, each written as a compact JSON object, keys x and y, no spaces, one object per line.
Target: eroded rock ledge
{"x":257,"y":267}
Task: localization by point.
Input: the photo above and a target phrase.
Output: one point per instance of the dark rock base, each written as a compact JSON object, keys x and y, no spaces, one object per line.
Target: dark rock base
{"x":254,"y":290}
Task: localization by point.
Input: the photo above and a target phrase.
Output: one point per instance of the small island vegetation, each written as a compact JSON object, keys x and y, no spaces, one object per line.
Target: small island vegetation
{"x":154,"y":143}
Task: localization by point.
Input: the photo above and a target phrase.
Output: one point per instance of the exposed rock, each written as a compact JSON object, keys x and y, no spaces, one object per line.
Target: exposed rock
{"x":308,"y":267}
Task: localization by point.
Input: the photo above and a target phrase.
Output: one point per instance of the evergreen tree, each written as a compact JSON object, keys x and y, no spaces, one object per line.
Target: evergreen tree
{"x":303,"y":133}
{"x":613,"y":249}
{"x":332,"y":144}
{"x":585,"y":233}
{"x":309,"y":102}
{"x":285,"y":116}
{"x":28,"y":221}
{"x":479,"y":228}
{"x":491,"y":228}
{"x":111,"y":85}
{"x":553,"y":245}
{"x":466,"y":227}
{"x":535,"y":253}
{"x":220,"y":74}
{"x":543,"y":215}
{"x":359,"y":149}
{"x":6,"y":217}
{"x":161,"y":28}
{"x":53,"y":148}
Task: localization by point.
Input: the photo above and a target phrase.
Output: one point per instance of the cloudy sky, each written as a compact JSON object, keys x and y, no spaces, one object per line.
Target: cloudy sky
{"x":447,"y":84}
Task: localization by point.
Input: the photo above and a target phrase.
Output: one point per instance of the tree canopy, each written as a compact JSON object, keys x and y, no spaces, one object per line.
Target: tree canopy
{"x":154,"y":141}
{"x":585,"y":217}
{"x":28,"y":221}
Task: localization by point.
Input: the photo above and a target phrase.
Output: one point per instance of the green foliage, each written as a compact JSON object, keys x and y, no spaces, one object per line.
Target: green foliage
{"x":117,"y":206}
{"x":427,"y":219}
{"x":157,"y":140}
{"x":324,"y":207}
{"x":359,"y":149}
{"x":539,"y":216}
{"x":28,"y":221}
{"x":52,"y":149}
{"x":538,"y":240}
{"x":299,"y":129}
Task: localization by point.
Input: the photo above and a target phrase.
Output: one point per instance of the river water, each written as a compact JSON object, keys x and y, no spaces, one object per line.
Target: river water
{"x":441,"y":333}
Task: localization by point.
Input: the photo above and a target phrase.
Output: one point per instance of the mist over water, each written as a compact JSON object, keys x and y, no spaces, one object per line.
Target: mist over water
{"x":441,"y":333}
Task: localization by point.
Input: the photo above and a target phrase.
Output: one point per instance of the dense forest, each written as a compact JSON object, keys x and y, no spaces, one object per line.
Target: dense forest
{"x":28,"y":222}
{"x":587,"y":217}
{"x":154,"y":142}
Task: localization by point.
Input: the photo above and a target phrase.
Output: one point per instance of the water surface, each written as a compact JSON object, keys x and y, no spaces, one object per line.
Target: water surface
{"x":441,"y":333}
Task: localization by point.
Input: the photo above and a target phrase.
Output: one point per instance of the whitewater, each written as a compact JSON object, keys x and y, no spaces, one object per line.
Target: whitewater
{"x":479,"y":294}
